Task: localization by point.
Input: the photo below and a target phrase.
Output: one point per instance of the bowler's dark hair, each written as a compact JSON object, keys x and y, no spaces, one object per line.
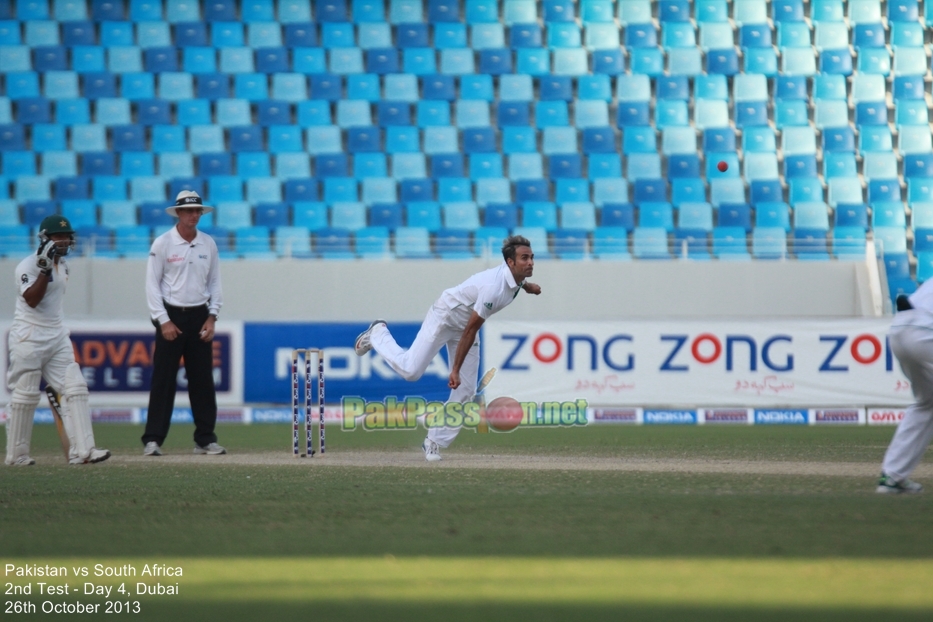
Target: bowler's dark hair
{"x":511,"y":243}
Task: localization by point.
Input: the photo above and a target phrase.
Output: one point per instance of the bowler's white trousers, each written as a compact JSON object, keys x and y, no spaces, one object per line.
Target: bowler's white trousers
{"x":913,"y":347}
{"x":436,"y":332}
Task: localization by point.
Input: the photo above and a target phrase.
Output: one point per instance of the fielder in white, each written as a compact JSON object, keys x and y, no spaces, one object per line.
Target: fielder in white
{"x":40,"y":346}
{"x":911,"y":340}
{"x":454,"y":320}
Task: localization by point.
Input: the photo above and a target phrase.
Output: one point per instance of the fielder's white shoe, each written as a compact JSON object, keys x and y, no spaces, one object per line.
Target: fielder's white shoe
{"x":22,"y":461}
{"x":152,"y":449}
{"x":363,"y":345}
{"x":211,"y":449}
{"x":432,"y":453}
{"x":887,"y":485}
{"x":96,"y":455}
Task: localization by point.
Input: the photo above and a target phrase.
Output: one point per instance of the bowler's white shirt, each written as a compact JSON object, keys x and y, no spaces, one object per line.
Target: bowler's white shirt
{"x":183,"y":274}
{"x":485,"y":292}
{"x":49,"y":311}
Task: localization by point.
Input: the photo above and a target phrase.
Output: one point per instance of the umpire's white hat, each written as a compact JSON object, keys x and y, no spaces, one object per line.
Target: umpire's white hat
{"x":188,"y":198}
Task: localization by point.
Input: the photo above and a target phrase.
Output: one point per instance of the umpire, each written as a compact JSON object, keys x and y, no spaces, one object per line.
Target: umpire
{"x":184,"y":295}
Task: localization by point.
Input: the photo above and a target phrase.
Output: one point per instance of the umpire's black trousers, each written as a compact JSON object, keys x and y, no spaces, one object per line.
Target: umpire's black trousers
{"x":199,"y":370}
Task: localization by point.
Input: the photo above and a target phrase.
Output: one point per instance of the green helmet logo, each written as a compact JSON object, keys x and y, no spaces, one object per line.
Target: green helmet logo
{"x":56,"y":223}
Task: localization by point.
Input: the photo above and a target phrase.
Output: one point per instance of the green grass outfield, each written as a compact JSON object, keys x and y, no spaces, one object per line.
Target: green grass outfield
{"x":312,"y":539}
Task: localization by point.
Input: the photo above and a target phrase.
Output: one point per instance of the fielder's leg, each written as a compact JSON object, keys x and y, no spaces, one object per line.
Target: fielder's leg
{"x":913,"y":347}
{"x":411,"y":363}
{"x":76,"y":417}
{"x":444,"y":436}
{"x":20,"y":412}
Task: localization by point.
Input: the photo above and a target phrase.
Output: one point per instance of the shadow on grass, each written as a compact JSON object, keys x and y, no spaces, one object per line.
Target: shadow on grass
{"x":456,"y":612}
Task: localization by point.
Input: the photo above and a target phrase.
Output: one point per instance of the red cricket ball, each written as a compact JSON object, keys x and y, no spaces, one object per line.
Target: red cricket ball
{"x":723,"y":167}
{"x":504,"y":414}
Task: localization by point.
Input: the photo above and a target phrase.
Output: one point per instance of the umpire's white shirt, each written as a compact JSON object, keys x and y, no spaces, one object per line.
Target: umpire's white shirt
{"x":48,"y":313}
{"x":182,"y":274}
{"x":485,"y":292}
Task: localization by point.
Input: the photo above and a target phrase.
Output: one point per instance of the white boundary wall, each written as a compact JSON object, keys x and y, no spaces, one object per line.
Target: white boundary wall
{"x":400,"y":290}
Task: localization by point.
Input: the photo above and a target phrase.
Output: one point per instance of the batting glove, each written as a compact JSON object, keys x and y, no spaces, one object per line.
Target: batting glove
{"x":46,"y":256}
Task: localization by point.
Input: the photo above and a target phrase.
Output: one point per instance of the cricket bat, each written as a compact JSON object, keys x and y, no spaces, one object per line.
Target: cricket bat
{"x":480,"y":399}
{"x":56,"y":407}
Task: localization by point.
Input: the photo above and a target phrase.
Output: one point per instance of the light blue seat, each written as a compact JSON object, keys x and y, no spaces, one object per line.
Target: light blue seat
{"x":519,"y":140}
{"x":678,"y":140}
{"x":921,"y":216}
{"x":601,"y":36}
{"x":472,"y":113}
{"x":839,"y":164}
{"x":711,"y":113}
{"x":913,"y":139}
{"x":292,"y":241}
{"x":488,"y":36}
{"x":516,"y":87}
{"x":726,"y":190}
{"x":440,"y":139}
{"x":253,"y":243}
{"x":253,"y":164}
{"x":324,"y":139}
{"x":374,"y":35}
{"x":868,"y":88}
{"x":118,"y":214}
{"x":310,"y":214}
{"x":611,"y":243}
{"x":578,"y":215}
{"x":233,"y":112}
{"x":656,"y":214}
{"x":888,"y":214}
{"x":760,"y":166}
{"x":879,"y":166}
{"x":831,"y":113}
{"x":643,"y":166}
{"x":539,"y":214}
{"x":346,"y":61}
{"x":610,"y":190}
{"x":798,"y":61}
{"x":730,"y":244}
{"x":59,"y":164}
{"x":716,"y":35}
{"x":493,"y":190}
{"x":372,"y":242}
{"x":910,"y":61}
{"x":864,"y":11}
{"x":412,"y":243}
{"x":408,"y":166}
{"x":830,"y":36}
{"x":633,"y":87}
{"x":88,"y":137}
{"x":236,"y":60}
{"x":602,"y":165}
{"x":147,"y":189}
{"x":571,"y":62}
{"x":206,"y":139}
{"x":693,"y":215}
{"x":890,"y":239}
{"x":263,"y":190}
{"x":650,"y":243}
{"x":590,"y":113}
{"x":370,"y":165}
{"x":461,"y":215}
{"x":124,"y":59}
{"x":132,"y":241}
{"x":874,"y":139}
{"x":263,"y":34}
{"x":349,"y":215}
{"x":759,"y":139}
{"x":525,"y":166}
{"x":176,"y":165}
{"x":289,"y":87}
{"x":849,"y":243}
{"x":457,"y":61}
{"x":769,"y":243}
{"x":379,"y":190}
{"x":812,"y":215}
{"x":401,"y":87}
{"x":292,"y":166}
{"x":353,"y":113}
{"x":233,"y":214}
{"x":559,"y":140}
{"x":844,"y":190}
{"x":9,"y":213}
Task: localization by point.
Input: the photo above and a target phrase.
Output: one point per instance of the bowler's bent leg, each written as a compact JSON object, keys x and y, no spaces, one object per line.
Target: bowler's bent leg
{"x":410,"y":364}
{"x":913,"y":346}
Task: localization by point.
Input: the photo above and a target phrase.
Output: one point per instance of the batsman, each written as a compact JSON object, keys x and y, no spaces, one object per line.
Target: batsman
{"x":40,"y":347}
